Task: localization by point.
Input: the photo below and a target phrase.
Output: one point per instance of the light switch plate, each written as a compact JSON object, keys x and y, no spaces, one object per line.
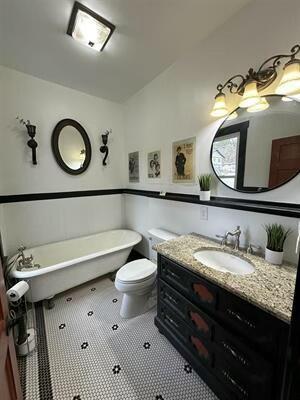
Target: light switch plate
{"x":203,"y":213}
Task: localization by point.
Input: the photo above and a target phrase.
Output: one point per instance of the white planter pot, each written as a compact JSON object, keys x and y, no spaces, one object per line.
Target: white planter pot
{"x":274,"y":257}
{"x":204,"y":195}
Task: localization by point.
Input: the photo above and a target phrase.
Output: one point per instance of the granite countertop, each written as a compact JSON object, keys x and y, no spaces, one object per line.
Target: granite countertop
{"x":269,"y":287}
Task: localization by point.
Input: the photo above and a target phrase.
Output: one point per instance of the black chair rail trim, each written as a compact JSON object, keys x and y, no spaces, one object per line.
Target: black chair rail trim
{"x":265,"y":207}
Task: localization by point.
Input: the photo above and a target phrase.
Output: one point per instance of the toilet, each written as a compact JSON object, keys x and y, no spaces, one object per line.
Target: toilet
{"x":137,"y":279}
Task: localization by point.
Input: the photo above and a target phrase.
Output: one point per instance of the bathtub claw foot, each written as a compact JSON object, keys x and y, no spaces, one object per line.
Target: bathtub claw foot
{"x":50,"y":304}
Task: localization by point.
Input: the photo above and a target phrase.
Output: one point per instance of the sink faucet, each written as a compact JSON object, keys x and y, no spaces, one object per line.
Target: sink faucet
{"x":236,"y":234}
{"x":25,"y":262}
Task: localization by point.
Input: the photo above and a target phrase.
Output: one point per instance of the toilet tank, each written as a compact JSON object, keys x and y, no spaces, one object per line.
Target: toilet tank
{"x":157,"y":235}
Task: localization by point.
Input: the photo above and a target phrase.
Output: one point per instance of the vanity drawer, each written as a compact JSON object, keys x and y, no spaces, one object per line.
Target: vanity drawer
{"x":191,"y":285}
{"x":200,"y":347}
{"x":239,"y":355}
{"x":236,"y":352}
{"x":243,"y":385}
{"x":172,"y":321}
{"x":192,"y":315}
{"x":251,"y":322}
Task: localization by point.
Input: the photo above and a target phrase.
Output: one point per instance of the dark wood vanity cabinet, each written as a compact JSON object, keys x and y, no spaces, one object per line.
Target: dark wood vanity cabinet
{"x":237,"y":348}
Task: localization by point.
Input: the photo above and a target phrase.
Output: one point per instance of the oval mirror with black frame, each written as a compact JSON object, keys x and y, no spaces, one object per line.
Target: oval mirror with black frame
{"x":71,"y":146}
{"x":259,"y":151}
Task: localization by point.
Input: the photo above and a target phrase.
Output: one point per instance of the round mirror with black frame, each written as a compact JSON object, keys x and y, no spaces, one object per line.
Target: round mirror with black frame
{"x":257,"y":151}
{"x":71,"y":146}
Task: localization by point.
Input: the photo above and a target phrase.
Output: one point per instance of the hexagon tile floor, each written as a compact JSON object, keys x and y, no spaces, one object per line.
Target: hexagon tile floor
{"x":87,"y":351}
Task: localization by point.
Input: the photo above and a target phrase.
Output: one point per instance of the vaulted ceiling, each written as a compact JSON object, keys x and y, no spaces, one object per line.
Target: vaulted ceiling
{"x":150,"y":35}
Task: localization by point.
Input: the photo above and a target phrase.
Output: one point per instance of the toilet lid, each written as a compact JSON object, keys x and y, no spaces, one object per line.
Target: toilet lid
{"x":136,"y":271}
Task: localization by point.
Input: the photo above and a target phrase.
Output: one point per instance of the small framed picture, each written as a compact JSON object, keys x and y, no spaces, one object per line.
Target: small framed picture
{"x":154,"y":165}
{"x":133,"y":167}
{"x":183,"y":160}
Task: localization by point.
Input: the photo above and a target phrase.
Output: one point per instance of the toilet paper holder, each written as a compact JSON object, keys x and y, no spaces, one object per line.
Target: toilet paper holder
{"x":23,"y":317}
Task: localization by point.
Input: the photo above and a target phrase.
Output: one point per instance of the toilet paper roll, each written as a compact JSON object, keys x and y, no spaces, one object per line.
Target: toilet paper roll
{"x":17,"y":291}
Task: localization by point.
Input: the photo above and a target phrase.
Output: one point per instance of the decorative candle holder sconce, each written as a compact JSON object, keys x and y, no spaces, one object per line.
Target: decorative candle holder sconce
{"x":104,"y":147}
{"x":31,"y":130}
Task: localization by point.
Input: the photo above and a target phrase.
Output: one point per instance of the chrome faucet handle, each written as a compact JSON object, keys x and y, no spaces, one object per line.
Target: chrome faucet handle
{"x":22,"y":248}
{"x":251,"y":247}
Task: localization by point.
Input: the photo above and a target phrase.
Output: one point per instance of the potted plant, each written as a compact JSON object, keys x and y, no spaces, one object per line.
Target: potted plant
{"x":205,"y":186}
{"x":276,"y":236}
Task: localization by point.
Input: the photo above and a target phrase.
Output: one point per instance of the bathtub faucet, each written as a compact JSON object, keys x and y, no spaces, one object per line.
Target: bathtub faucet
{"x":25,"y":262}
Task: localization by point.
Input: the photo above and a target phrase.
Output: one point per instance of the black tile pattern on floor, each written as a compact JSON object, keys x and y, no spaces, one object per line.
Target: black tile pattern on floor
{"x":188,"y":369}
{"x":45,"y":386}
{"x":22,"y":372}
{"x":104,"y":356}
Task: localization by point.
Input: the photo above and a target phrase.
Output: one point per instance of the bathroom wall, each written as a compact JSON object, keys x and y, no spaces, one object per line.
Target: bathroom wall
{"x":143,"y":213}
{"x":177,"y":104}
{"x":45,"y":103}
{"x":39,"y":222}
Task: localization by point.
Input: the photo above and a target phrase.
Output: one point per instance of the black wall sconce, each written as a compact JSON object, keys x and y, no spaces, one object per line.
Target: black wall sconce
{"x":104,"y":147}
{"x":31,"y":130}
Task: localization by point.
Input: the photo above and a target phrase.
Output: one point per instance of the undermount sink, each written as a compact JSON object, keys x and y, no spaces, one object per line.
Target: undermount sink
{"x":224,"y":262}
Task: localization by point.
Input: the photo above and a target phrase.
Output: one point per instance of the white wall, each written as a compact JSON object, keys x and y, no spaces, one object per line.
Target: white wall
{"x":143,"y":213}
{"x":177,"y":104}
{"x":45,"y":104}
{"x":39,"y":222}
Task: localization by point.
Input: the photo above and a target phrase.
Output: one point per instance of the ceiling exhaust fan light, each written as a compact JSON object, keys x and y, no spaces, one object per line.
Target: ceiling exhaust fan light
{"x":89,"y":28}
{"x":250,"y":96}
{"x":220,"y":108}
{"x":261,"y":106}
{"x":290,"y":81}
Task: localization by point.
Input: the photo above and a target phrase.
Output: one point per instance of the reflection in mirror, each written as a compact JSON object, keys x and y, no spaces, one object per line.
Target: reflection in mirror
{"x":259,"y":151}
{"x":71,"y":146}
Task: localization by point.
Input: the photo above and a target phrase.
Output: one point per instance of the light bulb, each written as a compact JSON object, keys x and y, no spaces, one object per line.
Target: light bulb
{"x":290,"y":81}
{"x":220,"y":108}
{"x":250,"y":96}
{"x":262,"y":105}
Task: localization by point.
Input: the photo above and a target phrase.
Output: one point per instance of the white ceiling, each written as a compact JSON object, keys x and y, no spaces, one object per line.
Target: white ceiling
{"x":150,"y":35}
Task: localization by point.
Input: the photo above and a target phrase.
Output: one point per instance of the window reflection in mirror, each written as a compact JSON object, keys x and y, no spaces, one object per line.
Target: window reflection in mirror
{"x":71,"y":147}
{"x":260,"y":151}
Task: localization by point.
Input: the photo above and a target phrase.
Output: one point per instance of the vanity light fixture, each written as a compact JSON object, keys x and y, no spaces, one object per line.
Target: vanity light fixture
{"x":287,"y":99}
{"x":89,"y":28}
{"x":253,"y":82}
{"x":260,"y":106}
{"x":232,"y":116}
{"x":220,"y":108}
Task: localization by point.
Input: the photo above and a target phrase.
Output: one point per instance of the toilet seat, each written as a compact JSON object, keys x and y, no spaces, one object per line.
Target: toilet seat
{"x":137,"y":271}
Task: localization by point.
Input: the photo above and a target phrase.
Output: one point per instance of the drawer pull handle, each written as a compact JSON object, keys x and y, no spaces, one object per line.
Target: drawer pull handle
{"x":199,"y":322}
{"x":235,"y":354}
{"x":235,"y":384}
{"x":240,"y":318}
{"x":173,"y":275}
{"x":171,"y":298}
{"x":203,"y":292}
{"x":171,"y":320}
